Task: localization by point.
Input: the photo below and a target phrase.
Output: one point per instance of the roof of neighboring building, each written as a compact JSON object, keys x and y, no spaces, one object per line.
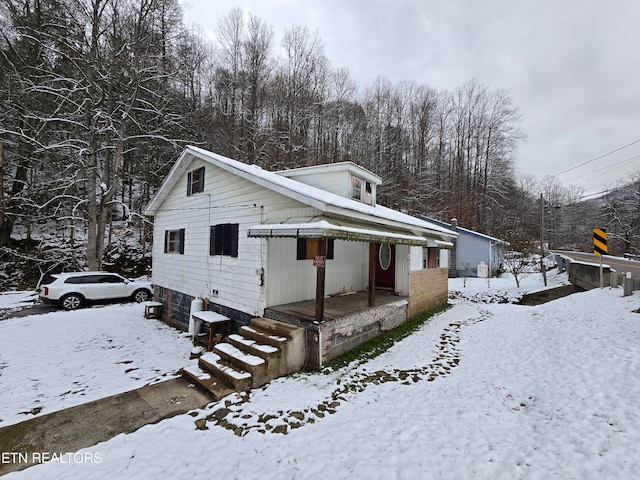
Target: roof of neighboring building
{"x":461,"y":229}
{"x":327,"y":202}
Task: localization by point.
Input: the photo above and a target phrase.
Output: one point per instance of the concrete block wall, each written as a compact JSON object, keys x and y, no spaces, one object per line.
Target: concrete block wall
{"x":176,"y":308}
{"x":428,"y":289}
{"x":343,"y":334}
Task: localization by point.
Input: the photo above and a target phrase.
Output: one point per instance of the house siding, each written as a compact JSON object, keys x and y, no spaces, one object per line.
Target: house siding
{"x":335,"y":182}
{"x":222,"y":280}
{"x":290,"y":280}
{"x":472,"y":250}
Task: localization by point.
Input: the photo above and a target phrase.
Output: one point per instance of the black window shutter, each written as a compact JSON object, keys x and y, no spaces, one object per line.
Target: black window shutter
{"x":201,"y":179}
{"x":218,"y":243}
{"x":225,"y":228}
{"x":166,"y":241}
{"x":212,"y":241}
{"x":301,"y":249}
{"x":189,"y":179}
{"x":330,"y":249}
{"x":223,"y":239}
{"x":233,"y":232}
{"x":182,"y":240}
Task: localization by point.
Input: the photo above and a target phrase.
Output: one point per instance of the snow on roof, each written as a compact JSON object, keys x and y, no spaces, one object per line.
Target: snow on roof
{"x":332,"y":167}
{"x":321,"y":199}
{"x":460,"y":229}
{"x":323,"y":228}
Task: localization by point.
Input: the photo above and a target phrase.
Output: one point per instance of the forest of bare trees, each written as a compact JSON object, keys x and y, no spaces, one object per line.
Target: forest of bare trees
{"x":100,"y":96}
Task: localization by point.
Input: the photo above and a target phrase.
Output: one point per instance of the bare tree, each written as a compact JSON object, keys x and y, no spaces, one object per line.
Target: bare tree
{"x":258,"y":66}
{"x":518,"y":258}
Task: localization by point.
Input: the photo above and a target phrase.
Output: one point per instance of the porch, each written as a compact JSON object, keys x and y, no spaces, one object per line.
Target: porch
{"x":348,"y":321}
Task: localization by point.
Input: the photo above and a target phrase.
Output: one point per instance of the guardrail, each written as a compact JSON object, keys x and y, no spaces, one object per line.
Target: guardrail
{"x":587,"y":275}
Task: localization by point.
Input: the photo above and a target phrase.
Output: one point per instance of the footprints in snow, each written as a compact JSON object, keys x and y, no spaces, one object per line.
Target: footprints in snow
{"x":232,"y":417}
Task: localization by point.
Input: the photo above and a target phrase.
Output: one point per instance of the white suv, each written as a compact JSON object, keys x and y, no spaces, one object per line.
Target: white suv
{"x":72,"y":290}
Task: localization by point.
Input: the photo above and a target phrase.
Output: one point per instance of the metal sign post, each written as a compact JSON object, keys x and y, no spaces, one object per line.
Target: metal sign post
{"x":601,"y":274}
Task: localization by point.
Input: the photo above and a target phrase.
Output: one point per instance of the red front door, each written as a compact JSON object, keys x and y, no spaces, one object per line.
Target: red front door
{"x":385,"y":266}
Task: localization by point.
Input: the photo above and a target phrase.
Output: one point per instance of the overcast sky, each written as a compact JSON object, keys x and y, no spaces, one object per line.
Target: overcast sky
{"x":571,"y":67}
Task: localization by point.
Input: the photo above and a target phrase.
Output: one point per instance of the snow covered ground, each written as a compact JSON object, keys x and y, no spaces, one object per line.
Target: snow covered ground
{"x":483,"y":391}
{"x":60,"y":359}
{"x":10,"y":301}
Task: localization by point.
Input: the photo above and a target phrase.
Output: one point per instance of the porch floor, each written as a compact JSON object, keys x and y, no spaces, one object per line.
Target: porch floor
{"x":334,"y":307}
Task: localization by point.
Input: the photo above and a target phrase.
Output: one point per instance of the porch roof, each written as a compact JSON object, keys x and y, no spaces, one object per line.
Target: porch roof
{"x":325,"y":228}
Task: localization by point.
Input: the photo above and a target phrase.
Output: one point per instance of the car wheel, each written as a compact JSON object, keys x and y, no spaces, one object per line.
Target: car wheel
{"x":141,"y":295}
{"x":71,"y":301}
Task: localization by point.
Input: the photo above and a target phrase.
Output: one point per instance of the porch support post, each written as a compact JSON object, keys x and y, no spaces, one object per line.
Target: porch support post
{"x":372,"y":274}
{"x":322,"y":251}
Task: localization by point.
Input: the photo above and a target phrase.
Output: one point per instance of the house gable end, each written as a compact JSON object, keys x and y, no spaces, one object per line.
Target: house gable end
{"x":191,"y":154}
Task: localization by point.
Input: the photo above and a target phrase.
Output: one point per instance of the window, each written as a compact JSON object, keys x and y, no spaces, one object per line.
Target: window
{"x":368,"y":193}
{"x":195,"y":181}
{"x":384,"y":256}
{"x":362,"y":190}
{"x":112,"y":279}
{"x":83,"y":279}
{"x":431,"y":258}
{"x":309,"y":247}
{"x":356,"y":188}
{"x":174,"y":241}
{"x":224,"y":240}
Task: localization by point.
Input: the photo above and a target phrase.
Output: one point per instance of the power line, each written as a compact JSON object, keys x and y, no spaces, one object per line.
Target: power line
{"x":585,"y":196}
{"x":607,"y":190}
{"x":598,"y":158}
{"x":606,"y":167}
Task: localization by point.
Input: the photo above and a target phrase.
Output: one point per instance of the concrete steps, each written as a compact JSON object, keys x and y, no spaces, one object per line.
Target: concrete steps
{"x":265,"y":350}
{"x":205,"y":381}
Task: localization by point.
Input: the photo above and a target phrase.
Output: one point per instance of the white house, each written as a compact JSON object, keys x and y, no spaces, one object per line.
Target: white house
{"x":248,"y":241}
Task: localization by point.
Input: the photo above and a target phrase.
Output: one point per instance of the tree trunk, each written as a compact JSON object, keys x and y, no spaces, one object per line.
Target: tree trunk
{"x":92,"y":212}
{"x":3,"y":241}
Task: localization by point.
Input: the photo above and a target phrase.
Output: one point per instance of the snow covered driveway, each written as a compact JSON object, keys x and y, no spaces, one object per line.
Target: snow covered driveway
{"x":60,"y":359}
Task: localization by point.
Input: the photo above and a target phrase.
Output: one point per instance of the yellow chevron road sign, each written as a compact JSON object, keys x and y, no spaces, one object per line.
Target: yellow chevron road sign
{"x":599,"y":241}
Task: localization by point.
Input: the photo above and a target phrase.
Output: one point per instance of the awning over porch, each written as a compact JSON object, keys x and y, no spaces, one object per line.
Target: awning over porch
{"x":440,"y":244}
{"x":325,"y":228}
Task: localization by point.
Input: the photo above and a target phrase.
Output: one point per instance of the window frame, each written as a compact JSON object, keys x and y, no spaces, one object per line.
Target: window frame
{"x":367,"y":195}
{"x":362,"y":190}
{"x":223,"y":239}
{"x":431,"y":257}
{"x":174,"y":245}
{"x":356,"y":188}
{"x":197,"y":185}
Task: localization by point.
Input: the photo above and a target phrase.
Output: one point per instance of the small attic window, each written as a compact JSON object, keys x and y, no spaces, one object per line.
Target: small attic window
{"x":356,"y":188}
{"x":195,"y":181}
{"x":368,"y":193}
{"x":361,"y":190}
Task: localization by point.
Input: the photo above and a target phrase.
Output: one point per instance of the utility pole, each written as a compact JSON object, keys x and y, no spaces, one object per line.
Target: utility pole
{"x":542,"y":266}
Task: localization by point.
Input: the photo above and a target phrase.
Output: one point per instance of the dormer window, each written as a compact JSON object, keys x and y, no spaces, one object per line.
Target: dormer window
{"x":361,"y":190}
{"x":195,"y":181}
{"x":368,"y":193}
{"x":356,"y":188}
